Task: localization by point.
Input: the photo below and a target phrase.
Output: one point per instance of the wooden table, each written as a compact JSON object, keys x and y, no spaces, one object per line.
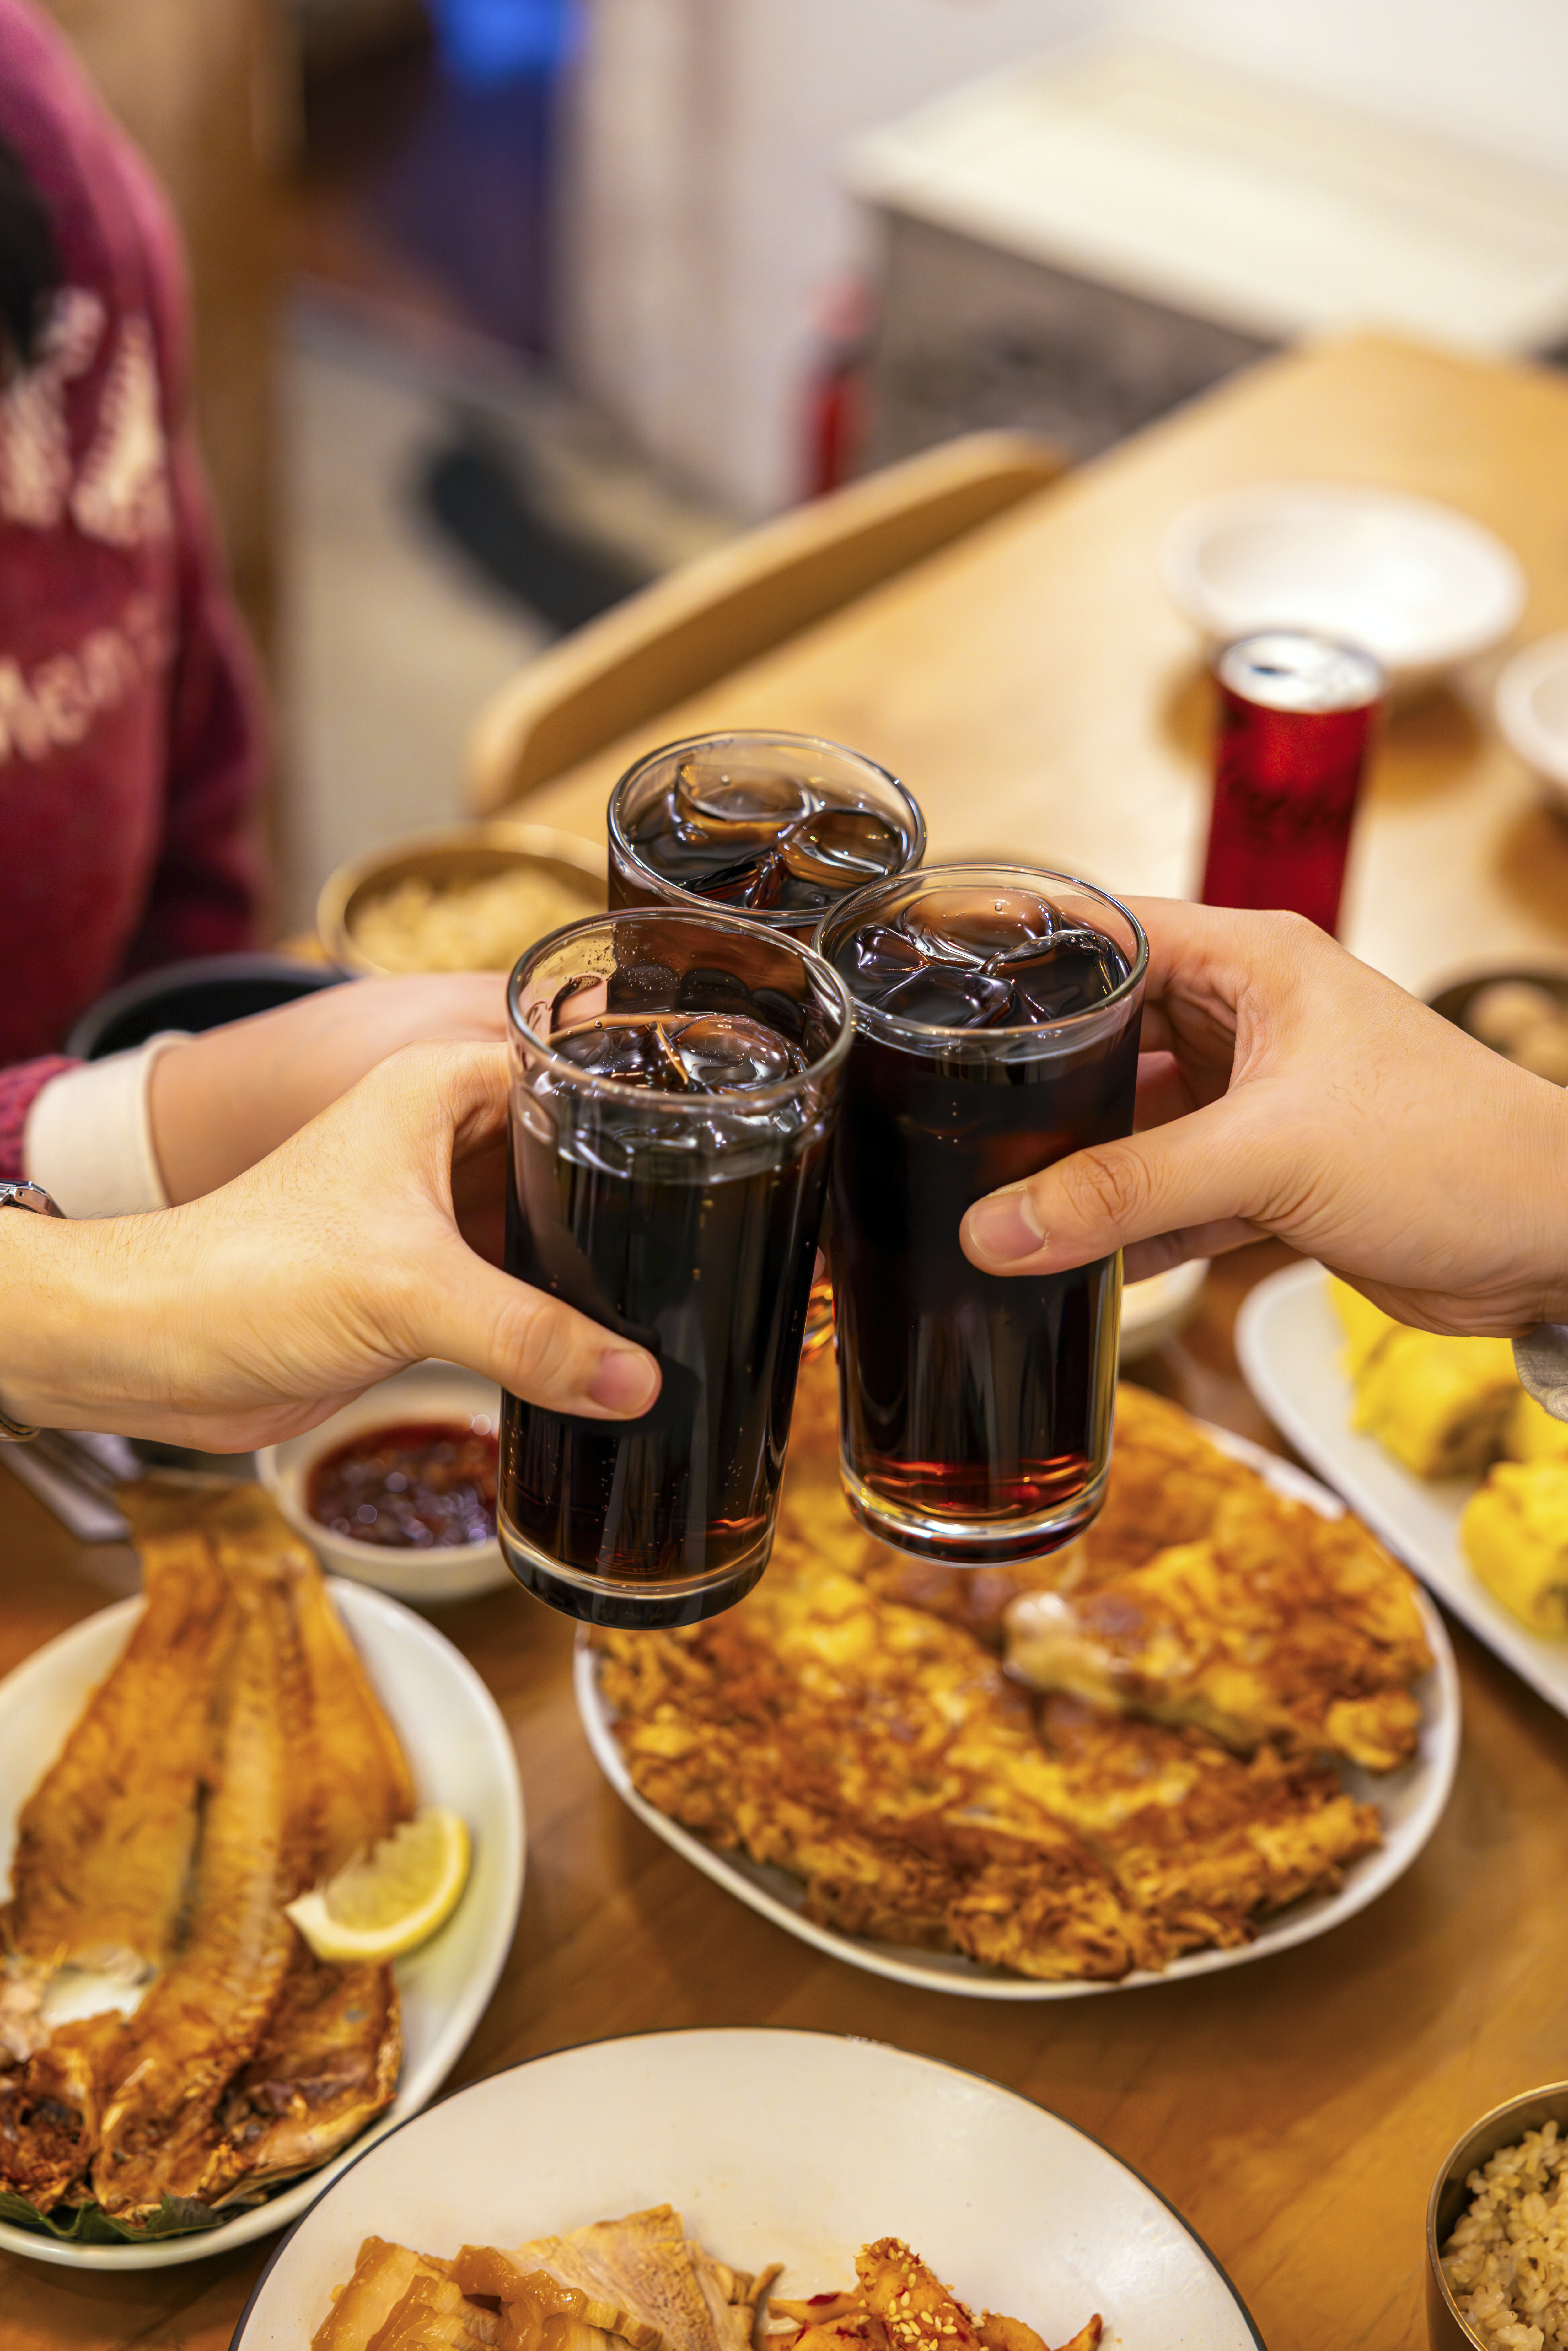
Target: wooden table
{"x":1295,"y":2110}
{"x":1039,"y":697}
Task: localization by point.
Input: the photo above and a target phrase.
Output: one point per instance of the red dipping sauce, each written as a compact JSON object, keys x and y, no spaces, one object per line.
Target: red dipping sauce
{"x":420,"y":1484}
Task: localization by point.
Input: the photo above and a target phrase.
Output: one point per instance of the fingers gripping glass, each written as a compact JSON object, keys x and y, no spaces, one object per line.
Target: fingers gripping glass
{"x":675,"y":1084}
{"x":997,"y":1015}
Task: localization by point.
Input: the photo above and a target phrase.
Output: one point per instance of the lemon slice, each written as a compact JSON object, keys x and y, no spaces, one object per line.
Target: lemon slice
{"x":395,"y":1896}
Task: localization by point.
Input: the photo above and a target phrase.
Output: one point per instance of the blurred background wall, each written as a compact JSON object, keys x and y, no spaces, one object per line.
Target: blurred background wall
{"x":502,"y":306}
{"x":706,"y":218}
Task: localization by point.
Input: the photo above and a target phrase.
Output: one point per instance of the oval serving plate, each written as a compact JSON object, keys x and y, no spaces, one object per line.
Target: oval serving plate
{"x":1015,"y":2209}
{"x":1410,"y":1800}
{"x":461,"y":1755}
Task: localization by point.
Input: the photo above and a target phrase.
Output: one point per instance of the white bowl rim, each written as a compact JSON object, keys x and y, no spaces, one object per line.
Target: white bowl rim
{"x":1514,"y":703}
{"x":1288,"y":501}
{"x":792,"y":2031}
{"x":1179,"y":1284}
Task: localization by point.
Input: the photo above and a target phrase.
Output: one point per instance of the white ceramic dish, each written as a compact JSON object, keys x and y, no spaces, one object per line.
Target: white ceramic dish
{"x":1288,"y":1339}
{"x":777,"y":2145}
{"x":1532,"y":708}
{"x":1154,"y":1311}
{"x":461,"y":1755}
{"x":1413,"y":582}
{"x":1411,"y":1802}
{"x":424,"y":1391}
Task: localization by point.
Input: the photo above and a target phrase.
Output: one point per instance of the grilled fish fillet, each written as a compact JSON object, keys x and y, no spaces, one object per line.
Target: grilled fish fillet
{"x":100,"y":1874}
{"x":365,"y":1788}
{"x":104,"y":1842}
{"x":328,"y":2058}
{"x":1277,"y":1625}
{"x":201,"y":2020}
{"x":326,"y":2065}
{"x":248,"y":2058}
{"x":51,"y":2107}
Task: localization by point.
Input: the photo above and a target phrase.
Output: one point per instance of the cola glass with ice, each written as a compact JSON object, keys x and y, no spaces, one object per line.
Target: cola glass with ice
{"x":777,"y":828}
{"x":676,"y":1085}
{"x":997,"y":1015}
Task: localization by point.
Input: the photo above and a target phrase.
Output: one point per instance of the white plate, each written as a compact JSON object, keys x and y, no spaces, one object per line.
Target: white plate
{"x":1410,"y":1800}
{"x":1288,"y":1338}
{"x":461,"y":1755}
{"x":432,"y":1391}
{"x":1531,"y":705}
{"x":777,"y":2145}
{"x":1413,"y":582}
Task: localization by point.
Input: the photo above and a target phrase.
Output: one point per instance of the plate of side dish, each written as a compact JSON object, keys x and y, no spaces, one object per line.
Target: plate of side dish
{"x":947,"y":1830}
{"x":756,"y":2169}
{"x":1292,"y":1347}
{"x":108,"y":1699}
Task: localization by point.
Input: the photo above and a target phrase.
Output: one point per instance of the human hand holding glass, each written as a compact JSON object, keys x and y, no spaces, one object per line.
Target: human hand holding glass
{"x":255,"y":1311}
{"x":1287,"y":1088}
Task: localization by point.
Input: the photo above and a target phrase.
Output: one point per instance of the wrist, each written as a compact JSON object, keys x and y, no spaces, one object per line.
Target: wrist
{"x":78,"y":1338}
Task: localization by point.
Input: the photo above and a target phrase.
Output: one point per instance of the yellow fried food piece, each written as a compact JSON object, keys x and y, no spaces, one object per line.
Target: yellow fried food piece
{"x":1531,"y":1433}
{"x":1365,"y":1326}
{"x":1438,"y":1404}
{"x":1515,"y":1533}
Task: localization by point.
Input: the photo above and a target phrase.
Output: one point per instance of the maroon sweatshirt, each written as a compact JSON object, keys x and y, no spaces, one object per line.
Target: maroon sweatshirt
{"x":130,"y":737}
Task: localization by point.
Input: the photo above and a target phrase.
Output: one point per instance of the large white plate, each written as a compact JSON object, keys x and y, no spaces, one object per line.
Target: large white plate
{"x":1411,"y":1802}
{"x":460,"y":1755}
{"x":1289,"y":1340}
{"x":776,"y":2146}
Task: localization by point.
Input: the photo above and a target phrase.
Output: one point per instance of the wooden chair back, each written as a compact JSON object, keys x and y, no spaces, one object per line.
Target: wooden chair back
{"x":714,"y":615}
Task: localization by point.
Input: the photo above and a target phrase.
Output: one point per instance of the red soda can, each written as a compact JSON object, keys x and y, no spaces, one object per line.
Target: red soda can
{"x":1295,"y":720}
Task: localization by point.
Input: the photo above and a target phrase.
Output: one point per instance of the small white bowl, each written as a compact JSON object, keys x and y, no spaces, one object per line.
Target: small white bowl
{"x":1154,"y":1311}
{"x":424,"y":1391}
{"x":1532,"y":710}
{"x":1414,"y":583}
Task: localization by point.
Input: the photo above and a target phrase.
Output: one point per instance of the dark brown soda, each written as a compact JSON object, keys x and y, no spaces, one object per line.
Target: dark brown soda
{"x":707,"y":1268}
{"x":757,"y":841}
{"x":969,"y":1396}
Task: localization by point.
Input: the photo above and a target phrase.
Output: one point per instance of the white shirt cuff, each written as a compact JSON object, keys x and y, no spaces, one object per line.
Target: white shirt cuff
{"x":88,"y":1135}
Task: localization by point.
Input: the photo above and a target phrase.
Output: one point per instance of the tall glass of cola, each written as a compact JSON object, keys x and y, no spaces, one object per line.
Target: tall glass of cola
{"x":675,"y":1084}
{"x":997,"y":1016}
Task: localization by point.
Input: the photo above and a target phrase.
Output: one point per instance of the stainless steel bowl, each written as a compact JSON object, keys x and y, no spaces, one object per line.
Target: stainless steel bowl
{"x":1504,"y":2126}
{"x":446,"y":858}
